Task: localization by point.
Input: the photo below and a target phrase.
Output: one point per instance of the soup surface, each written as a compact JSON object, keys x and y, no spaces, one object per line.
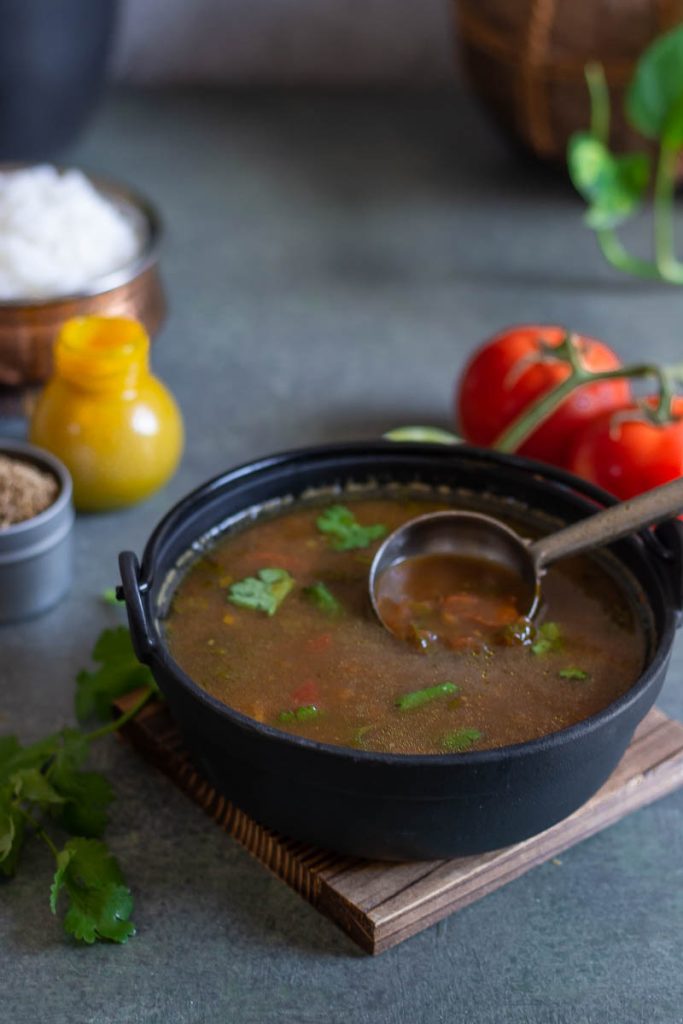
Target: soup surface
{"x":276,"y":622}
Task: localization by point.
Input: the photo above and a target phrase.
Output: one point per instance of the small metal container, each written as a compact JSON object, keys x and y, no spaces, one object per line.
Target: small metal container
{"x":36,"y":555}
{"x":28,"y":327}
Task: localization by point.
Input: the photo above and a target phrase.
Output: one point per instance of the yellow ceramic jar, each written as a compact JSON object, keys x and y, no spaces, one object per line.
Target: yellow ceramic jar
{"x":104,"y":414}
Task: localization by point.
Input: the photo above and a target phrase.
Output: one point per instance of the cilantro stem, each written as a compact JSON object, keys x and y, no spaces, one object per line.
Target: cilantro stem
{"x":119,"y":722}
{"x":525,"y":424}
{"x":39,"y":830}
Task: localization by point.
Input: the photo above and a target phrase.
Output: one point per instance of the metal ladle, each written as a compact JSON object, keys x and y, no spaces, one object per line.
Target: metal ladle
{"x":475,"y":535}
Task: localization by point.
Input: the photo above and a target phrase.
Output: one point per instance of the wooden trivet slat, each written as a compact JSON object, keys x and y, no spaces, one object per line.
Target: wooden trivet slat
{"x":380,"y":904}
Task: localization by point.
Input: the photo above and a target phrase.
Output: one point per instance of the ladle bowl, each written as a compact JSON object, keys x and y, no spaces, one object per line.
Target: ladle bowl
{"x":474,"y":535}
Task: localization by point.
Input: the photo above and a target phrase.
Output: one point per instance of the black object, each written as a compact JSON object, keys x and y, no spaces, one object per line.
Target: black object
{"x":53,"y":58}
{"x":396,"y":806}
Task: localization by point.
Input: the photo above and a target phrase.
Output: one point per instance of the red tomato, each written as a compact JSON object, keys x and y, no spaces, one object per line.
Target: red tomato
{"x":626,"y":454}
{"x":505,"y":376}
{"x":307,"y":693}
{"x":320,"y":642}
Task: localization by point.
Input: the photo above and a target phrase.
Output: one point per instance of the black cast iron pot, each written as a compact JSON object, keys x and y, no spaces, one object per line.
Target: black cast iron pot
{"x":397,"y":806}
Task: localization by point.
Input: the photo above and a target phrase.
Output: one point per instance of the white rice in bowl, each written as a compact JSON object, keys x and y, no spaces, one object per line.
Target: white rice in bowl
{"x":58,"y":234}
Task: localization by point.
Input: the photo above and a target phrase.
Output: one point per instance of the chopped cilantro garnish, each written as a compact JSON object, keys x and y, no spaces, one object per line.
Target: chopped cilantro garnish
{"x":344,"y":530}
{"x":548,"y":638}
{"x":303,"y":714}
{"x":573,"y":673}
{"x":359,"y":735}
{"x":416,"y":698}
{"x":460,"y":739}
{"x":262,"y":593}
{"x":319,"y":595}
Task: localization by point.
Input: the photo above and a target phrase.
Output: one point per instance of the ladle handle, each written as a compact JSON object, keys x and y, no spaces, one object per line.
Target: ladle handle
{"x":611,"y":524}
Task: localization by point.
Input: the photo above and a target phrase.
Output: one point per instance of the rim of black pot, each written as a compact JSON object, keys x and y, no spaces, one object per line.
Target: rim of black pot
{"x":568,"y":481}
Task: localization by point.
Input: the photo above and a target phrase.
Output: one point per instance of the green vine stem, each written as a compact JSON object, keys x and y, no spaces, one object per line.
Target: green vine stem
{"x":567,"y":351}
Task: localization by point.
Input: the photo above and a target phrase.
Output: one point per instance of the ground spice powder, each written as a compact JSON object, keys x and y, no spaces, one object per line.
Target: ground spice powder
{"x":25,"y":490}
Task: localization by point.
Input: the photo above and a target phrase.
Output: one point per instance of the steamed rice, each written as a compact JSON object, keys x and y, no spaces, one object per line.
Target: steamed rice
{"x":58,"y":234}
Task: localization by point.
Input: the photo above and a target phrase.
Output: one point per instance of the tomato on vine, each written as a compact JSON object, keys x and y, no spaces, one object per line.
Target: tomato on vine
{"x":517,"y":367}
{"x":630,"y":451}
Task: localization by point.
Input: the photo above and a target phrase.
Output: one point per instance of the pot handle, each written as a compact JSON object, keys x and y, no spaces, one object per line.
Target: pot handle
{"x":132,"y":590}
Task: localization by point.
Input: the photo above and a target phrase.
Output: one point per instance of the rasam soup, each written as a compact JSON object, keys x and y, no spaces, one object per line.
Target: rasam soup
{"x":275,"y":621}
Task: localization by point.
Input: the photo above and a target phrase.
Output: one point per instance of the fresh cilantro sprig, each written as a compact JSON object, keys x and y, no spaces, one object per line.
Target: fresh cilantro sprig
{"x":344,"y":531}
{"x":43,"y":784}
{"x":264,"y":592}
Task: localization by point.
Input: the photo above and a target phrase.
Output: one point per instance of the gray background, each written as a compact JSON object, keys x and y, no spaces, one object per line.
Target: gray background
{"x":330,"y":262}
{"x":338,"y":42}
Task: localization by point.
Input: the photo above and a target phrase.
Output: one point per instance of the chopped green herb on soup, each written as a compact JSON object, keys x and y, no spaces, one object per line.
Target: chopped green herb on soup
{"x":320,"y":595}
{"x":264,"y":592}
{"x":344,"y":530}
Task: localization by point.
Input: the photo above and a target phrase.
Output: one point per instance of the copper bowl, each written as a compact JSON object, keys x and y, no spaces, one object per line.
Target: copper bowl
{"x":28,"y":327}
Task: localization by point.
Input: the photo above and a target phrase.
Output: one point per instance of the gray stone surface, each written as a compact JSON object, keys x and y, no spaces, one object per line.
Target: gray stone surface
{"x":329,"y":263}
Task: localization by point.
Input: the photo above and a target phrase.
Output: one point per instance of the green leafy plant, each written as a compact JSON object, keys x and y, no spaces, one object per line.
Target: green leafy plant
{"x":43,"y":787}
{"x":615,"y":186}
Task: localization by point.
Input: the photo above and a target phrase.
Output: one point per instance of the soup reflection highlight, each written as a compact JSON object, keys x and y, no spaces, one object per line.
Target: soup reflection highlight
{"x":275,"y":621}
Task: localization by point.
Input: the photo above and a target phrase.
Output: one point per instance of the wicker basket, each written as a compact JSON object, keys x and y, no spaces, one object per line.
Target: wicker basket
{"x":525,"y":59}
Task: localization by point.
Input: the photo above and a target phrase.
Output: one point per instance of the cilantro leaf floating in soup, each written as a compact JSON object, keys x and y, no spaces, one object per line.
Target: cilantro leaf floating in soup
{"x":323,"y":598}
{"x":344,"y":530}
{"x":549,"y":639}
{"x":301,"y":650}
{"x":573,"y":673}
{"x":415,"y":699}
{"x":264,"y":592}
{"x":460,"y":739}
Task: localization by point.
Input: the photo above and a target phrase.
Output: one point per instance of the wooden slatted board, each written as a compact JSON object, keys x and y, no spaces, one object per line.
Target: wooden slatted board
{"x":380,"y":904}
